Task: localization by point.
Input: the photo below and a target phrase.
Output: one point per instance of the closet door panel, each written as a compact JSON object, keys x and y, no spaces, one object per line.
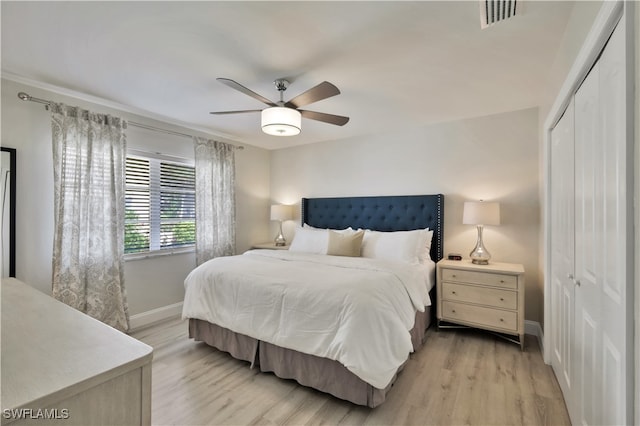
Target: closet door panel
{"x":601,"y":306}
{"x":615,"y":238}
{"x":588,"y":247}
{"x":562,"y":248}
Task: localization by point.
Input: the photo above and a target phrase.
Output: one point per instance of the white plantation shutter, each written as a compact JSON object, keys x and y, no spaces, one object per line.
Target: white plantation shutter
{"x":177,"y":205}
{"x":160,"y":204}
{"x":137,"y":227}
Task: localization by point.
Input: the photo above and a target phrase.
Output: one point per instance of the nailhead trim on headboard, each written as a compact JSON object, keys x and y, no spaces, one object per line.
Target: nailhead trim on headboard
{"x":384,"y":213}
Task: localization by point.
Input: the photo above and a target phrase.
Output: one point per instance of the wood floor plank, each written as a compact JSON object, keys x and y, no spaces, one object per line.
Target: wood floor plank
{"x":458,"y":377}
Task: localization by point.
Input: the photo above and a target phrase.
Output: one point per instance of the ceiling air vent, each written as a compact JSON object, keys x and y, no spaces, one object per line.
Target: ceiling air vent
{"x":494,"y":11}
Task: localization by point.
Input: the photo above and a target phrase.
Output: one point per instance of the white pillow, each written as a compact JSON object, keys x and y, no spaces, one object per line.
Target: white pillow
{"x":347,"y":230}
{"x":407,"y":246}
{"x":310,"y":240}
{"x":425,"y":255}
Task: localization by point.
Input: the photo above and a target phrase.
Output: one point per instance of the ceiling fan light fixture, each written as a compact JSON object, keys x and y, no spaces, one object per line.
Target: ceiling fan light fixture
{"x":281,"y":121}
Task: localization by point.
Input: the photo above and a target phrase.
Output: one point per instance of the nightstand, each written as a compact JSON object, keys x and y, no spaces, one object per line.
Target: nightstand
{"x":489,"y":297}
{"x":269,"y":246}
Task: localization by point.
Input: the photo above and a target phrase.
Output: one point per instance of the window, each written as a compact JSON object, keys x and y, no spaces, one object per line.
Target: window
{"x":160,"y":209}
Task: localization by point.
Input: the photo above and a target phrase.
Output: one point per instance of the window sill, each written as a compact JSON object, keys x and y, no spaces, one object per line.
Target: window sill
{"x":158,"y":253}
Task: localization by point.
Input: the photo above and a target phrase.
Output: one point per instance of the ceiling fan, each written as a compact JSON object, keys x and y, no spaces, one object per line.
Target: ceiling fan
{"x":284,"y":118}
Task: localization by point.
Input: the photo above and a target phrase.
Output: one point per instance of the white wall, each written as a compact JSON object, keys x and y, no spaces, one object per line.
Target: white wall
{"x":580,"y":21}
{"x":151,"y":283}
{"x":491,"y":158}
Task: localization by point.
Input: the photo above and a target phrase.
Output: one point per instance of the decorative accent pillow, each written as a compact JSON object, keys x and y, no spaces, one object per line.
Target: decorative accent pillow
{"x":406,"y":246}
{"x":345,"y":243}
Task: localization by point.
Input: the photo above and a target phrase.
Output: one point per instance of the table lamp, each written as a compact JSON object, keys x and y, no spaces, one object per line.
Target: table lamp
{"x":281,"y":212}
{"x":480,"y":213}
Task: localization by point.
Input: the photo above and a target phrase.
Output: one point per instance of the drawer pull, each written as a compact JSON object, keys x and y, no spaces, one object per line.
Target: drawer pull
{"x":501,"y":281}
{"x":502,"y":299}
{"x":453,"y":311}
{"x":501,"y":319}
{"x":453,"y":275}
{"x":453,"y":292}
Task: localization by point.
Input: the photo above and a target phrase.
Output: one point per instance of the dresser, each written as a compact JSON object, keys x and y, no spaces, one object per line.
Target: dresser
{"x":489,"y":297}
{"x":60,"y":366}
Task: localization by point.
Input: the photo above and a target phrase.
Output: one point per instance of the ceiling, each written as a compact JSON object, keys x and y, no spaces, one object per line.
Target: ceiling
{"x":398,"y":64}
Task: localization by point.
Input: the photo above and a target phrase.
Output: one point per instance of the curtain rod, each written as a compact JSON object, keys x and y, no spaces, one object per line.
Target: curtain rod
{"x":26,"y":97}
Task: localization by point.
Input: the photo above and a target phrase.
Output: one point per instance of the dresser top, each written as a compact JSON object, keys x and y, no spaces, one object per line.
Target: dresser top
{"x":51,"y":351}
{"x":499,"y":267}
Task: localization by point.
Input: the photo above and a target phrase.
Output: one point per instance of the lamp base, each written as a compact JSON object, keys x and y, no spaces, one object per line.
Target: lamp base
{"x":280,"y":241}
{"x":480,"y":255}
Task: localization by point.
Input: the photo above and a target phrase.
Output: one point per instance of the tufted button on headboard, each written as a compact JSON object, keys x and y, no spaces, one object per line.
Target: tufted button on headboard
{"x":386,"y":213}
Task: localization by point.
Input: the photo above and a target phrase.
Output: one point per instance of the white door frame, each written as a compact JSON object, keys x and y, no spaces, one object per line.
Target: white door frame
{"x":603,"y":26}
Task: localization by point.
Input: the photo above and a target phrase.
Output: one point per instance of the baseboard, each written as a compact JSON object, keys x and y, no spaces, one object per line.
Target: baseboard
{"x":535,"y":329}
{"x":145,"y":319}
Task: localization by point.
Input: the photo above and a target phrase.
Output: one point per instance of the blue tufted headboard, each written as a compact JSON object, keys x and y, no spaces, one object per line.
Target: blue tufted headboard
{"x":387,"y":213}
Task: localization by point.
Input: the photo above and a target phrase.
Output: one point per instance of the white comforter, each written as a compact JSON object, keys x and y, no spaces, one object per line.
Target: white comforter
{"x":357,"y":311}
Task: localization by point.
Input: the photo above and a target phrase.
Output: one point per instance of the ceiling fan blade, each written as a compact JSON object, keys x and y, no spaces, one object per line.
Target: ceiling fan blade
{"x":317,"y":93}
{"x":239,"y":87}
{"x":235,"y":112}
{"x":338,"y":120}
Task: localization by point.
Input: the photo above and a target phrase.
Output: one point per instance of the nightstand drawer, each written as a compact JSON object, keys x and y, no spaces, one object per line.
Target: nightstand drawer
{"x":485,"y":278}
{"x":480,"y":295}
{"x":479,"y":315}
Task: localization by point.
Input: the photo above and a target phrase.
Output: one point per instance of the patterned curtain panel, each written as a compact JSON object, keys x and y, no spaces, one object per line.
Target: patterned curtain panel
{"x":89,"y":152}
{"x":215,"y":199}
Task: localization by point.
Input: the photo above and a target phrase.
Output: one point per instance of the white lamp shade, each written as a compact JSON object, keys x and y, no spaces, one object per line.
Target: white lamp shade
{"x":281,"y":121}
{"x":481,"y":213}
{"x":281,"y":212}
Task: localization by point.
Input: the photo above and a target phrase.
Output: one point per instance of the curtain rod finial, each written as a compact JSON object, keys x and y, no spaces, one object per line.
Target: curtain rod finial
{"x":24,"y":96}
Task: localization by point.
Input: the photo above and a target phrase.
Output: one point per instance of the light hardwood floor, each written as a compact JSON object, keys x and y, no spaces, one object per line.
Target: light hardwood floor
{"x":458,"y":377}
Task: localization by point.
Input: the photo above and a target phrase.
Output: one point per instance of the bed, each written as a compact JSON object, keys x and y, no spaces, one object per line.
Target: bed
{"x":281,"y":311}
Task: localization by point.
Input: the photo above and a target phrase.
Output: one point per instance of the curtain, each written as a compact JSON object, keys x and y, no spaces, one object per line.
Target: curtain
{"x":215,"y":199}
{"x":89,"y":154}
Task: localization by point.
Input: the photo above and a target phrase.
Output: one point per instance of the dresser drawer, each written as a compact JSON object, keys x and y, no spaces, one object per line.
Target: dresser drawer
{"x":485,"y":278}
{"x":506,"y":299}
{"x":479,"y":315}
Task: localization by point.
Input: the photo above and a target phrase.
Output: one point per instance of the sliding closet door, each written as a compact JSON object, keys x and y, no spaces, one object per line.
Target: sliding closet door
{"x":615,"y":294}
{"x":601,"y":264}
{"x":562,"y":246}
{"x":589,"y":247}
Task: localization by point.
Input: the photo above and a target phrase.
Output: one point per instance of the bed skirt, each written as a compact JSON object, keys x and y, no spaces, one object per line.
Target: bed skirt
{"x":323,"y":374}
